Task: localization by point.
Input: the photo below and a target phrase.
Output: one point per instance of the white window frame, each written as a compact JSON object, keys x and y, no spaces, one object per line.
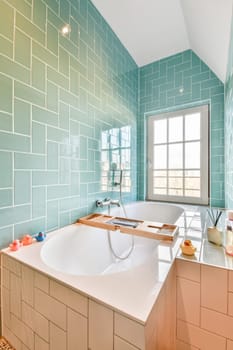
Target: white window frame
{"x":204,"y":154}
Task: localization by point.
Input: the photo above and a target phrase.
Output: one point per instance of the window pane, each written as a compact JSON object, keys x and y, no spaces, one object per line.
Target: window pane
{"x":160,"y":173}
{"x":176,"y":156}
{"x":175,"y":173}
{"x":192,"y":183}
{"x":160,"y":157}
{"x":160,"y":182}
{"x":192,"y":127}
{"x":192,"y":155}
{"x":192,"y":193}
{"x":160,"y":191}
{"x":175,"y":182}
{"x":175,"y":192}
{"x":176,"y":129}
{"x":192,"y":173}
{"x":160,"y":131}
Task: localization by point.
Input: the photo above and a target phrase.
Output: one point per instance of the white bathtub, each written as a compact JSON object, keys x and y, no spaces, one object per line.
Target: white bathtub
{"x":79,"y":257}
{"x":85,"y":250}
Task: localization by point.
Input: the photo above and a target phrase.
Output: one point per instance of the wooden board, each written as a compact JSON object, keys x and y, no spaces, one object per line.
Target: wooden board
{"x":148,"y":229}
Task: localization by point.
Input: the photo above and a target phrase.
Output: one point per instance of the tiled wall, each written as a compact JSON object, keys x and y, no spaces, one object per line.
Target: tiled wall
{"x":229,"y":127}
{"x":41,"y":314}
{"x":160,"y":83}
{"x":57,"y":94}
{"x":204,"y":307}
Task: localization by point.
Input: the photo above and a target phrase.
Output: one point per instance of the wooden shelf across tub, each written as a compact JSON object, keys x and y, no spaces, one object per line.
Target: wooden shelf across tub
{"x":148,"y":229}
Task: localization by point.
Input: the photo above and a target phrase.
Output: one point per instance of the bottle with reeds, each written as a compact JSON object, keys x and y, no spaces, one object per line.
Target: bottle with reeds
{"x":214,"y":233}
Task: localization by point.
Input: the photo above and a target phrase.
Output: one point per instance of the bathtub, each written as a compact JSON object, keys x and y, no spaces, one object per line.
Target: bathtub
{"x":79,"y":256}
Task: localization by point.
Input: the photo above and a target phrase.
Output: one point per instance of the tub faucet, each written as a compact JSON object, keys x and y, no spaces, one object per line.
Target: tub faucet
{"x":107,"y":202}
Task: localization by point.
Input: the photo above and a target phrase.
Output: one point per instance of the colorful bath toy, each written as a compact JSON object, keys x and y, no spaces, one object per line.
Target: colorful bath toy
{"x":188,"y":248}
{"x":27,"y":240}
{"x":40,"y":237}
{"x":15,"y":245}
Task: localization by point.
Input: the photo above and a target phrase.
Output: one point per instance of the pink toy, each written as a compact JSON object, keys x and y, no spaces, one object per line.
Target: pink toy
{"x":15,"y":245}
{"x":26,"y":240}
{"x":229,"y":250}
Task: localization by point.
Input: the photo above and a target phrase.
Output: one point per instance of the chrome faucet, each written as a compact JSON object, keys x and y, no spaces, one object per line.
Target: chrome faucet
{"x":107,"y":202}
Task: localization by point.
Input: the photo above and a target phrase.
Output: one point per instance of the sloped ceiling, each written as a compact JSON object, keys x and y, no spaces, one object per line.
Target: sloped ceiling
{"x":154,"y":29}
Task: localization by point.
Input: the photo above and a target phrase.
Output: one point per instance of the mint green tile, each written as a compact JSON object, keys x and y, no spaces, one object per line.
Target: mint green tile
{"x":38,"y":201}
{"x":64,"y":62}
{"x":14,"y":70}
{"x":21,"y":6}
{"x":52,"y":155}
{"x":44,"y":55}
{"x":57,"y":78}
{"x":52,"y":215}
{"x":64,"y":119}
{"x":58,"y":191}
{"x":29,"y":161}
{"x":30,"y":227}
{"x":6,"y":162}
{"x":6,"y":236}
{"x":74,"y":82}
{"x":28,"y":27}
{"x":5,"y":121}
{"x":44,"y":116}
{"x":65,"y":219}
{"x":75,"y":29}
{"x":5,"y":94}
{"x":38,"y":138}
{"x":9,"y":216}
{"x":65,"y":11}
{"x":78,"y":66}
{"x":52,"y":38}
{"x":6,"y":197}
{"x":22,"y":48}
{"x":22,"y":187}
{"x":55,"y":134}
{"x":39,"y":14}
{"x":13,"y":142}
{"x":38,"y":74}
{"x":53,"y":5}
{"x":52,"y":96}
{"x":69,"y":203}
{"x":83,"y":147}
{"x":86,"y":130}
{"x":64,"y":174}
{"x":22,"y":117}
{"x":40,"y":178}
{"x":6,"y":20}
{"x":55,"y":20}
{"x":68,"y":45}
{"x":6,"y":47}
{"x":29,"y":94}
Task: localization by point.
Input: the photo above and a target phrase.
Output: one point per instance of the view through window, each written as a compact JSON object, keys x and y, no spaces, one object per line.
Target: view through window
{"x":178,"y":156}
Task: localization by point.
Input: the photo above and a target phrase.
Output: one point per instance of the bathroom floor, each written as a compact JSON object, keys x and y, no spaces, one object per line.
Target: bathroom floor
{"x":4,"y":345}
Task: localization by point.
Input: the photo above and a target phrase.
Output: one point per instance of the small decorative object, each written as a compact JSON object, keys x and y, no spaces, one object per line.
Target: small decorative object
{"x":27,"y":240}
{"x":213,"y":233}
{"x":188,"y":248}
{"x":40,"y":237}
{"x":15,"y":245}
{"x":229,"y":250}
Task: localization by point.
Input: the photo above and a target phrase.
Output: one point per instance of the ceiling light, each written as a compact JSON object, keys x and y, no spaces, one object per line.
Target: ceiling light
{"x":181,"y":90}
{"x":66,"y":29}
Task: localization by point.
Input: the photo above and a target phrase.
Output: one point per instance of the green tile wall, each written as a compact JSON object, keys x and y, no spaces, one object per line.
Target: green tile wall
{"x":160,"y":83}
{"x":56,"y":96}
{"x":229,"y":127}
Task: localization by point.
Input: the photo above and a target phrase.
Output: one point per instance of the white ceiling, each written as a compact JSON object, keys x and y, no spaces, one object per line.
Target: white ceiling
{"x":154,"y":29}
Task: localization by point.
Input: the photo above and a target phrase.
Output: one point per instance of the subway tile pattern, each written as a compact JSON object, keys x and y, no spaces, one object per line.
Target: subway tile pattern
{"x":39,"y":313}
{"x":204,"y":307}
{"x":57,"y":94}
{"x":160,"y":84}
{"x":229,"y":127}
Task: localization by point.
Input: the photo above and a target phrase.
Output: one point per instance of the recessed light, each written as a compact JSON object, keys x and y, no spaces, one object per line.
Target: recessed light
{"x":181,"y":90}
{"x":66,"y":29}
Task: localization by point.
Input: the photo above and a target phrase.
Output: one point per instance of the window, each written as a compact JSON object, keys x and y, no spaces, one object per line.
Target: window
{"x":116,"y":157}
{"x":178,"y":156}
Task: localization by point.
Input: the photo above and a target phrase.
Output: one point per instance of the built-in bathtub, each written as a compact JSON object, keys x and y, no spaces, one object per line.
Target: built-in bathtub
{"x":77,"y":258}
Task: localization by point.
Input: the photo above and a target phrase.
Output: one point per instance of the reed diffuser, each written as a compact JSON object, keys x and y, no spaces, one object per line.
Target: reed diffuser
{"x":214,"y":234}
